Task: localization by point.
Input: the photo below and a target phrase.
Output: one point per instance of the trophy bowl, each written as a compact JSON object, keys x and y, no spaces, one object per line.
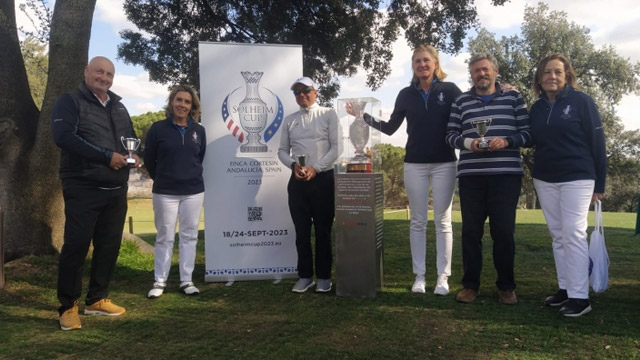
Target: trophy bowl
{"x":131,"y":145}
{"x":359,"y":137}
{"x":481,"y":127}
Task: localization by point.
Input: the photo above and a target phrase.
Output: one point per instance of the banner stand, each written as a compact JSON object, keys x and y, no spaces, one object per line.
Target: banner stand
{"x":245,"y":96}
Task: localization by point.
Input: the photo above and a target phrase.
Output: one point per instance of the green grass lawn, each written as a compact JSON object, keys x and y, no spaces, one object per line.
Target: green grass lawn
{"x":264,"y":320}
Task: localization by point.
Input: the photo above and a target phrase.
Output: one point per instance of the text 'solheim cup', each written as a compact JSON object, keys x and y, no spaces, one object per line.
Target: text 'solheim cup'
{"x":131,"y":145}
{"x":253,"y":113}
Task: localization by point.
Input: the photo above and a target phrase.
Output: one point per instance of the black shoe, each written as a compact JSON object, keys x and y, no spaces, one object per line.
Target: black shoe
{"x":557,"y":299}
{"x":575,"y":307}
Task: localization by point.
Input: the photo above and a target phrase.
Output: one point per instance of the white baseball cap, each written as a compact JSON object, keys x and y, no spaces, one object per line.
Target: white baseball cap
{"x":304,"y":81}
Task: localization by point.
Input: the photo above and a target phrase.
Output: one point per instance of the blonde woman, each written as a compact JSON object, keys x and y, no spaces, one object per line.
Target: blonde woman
{"x":428,"y":161}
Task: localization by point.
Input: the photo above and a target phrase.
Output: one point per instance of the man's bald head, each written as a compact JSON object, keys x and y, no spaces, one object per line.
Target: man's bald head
{"x":98,"y":76}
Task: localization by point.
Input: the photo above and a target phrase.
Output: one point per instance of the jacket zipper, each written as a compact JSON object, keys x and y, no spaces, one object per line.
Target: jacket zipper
{"x":550,"y":109}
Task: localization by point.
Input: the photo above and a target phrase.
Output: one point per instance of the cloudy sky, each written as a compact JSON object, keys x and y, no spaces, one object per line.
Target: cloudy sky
{"x":617,"y":23}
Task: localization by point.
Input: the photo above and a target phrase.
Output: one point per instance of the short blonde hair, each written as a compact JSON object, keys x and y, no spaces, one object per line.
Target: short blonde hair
{"x":438,"y":73}
{"x":195,"y":101}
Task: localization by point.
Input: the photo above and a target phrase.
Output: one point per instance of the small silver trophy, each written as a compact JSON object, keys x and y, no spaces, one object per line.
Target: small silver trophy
{"x":482,"y":126}
{"x":131,"y":145}
{"x":302,"y":160}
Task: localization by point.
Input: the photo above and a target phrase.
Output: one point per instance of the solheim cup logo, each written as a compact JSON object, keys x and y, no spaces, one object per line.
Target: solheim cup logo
{"x":247,"y":119}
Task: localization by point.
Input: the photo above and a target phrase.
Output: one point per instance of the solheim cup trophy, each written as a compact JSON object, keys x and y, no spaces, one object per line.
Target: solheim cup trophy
{"x":253,"y":113}
{"x":482,"y":126}
{"x":359,"y":137}
{"x":131,"y":145}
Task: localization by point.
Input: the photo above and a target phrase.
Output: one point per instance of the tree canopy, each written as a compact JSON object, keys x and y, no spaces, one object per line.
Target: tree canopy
{"x":142,"y":123}
{"x":337,"y":36}
{"x":601,"y":73}
{"x":393,"y":175}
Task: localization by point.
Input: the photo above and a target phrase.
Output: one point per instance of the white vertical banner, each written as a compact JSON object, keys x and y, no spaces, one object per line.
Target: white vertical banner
{"x":245,"y":95}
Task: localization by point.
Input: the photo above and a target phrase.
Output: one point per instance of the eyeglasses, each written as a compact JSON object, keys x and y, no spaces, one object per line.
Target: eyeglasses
{"x":302,"y":91}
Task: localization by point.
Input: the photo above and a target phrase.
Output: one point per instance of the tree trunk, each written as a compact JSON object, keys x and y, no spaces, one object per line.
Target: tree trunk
{"x":531,"y":200}
{"x":31,"y":193}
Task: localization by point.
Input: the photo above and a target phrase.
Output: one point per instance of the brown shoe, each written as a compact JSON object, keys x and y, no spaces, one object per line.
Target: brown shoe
{"x":466,"y":295}
{"x":507,"y":297}
{"x":104,"y":307}
{"x":69,"y":320}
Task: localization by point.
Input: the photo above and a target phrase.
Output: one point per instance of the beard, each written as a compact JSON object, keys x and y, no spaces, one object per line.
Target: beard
{"x":483,"y":85}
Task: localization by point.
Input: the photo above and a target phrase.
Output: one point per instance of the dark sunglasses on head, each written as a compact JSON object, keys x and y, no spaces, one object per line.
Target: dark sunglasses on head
{"x":302,"y":91}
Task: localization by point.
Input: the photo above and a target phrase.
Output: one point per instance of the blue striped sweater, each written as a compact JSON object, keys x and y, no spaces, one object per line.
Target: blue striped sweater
{"x":509,"y":119}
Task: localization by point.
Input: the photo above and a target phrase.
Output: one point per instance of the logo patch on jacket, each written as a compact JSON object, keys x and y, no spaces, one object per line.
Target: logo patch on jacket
{"x":194,"y":136}
{"x":441,"y":99}
{"x":566,"y":113}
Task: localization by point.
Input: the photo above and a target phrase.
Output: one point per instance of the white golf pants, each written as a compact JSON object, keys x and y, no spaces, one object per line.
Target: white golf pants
{"x":566,"y":207}
{"x":168,"y":209}
{"x":442,"y":178}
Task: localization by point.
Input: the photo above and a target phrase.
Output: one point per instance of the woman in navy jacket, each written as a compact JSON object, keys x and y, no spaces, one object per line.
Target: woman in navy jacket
{"x":569,"y":173}
{"x":174,"y":152}
{"x":426,"y":104}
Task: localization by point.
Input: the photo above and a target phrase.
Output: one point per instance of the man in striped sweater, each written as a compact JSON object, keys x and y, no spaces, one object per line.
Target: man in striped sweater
{"x":489,"y":178}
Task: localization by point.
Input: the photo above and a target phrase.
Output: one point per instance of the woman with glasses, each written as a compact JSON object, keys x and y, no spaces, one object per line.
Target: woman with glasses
{"x":309,"y":147}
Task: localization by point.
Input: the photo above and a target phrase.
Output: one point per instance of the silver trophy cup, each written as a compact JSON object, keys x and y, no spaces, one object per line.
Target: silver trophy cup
{"x":482,"y":126}
{"x":302,"y":160}
{"x":131,"y":145}
{"x":359,"y":130}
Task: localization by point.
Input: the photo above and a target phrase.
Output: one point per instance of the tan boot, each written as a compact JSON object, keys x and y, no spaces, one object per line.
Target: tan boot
{"x":104,"y":307}
{"x":69,"y":320}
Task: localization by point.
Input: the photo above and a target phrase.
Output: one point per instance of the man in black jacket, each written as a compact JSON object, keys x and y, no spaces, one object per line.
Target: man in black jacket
{"x":88,"y":124}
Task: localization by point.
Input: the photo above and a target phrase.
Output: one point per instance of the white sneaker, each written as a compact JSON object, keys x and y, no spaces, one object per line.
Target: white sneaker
{"x":187,"y":288}
{"x":442,"y":286}
{"x":419,"y":286}
{"x":157,"y":290}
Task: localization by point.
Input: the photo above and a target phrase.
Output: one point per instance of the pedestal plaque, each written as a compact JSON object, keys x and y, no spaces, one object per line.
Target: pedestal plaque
{"x":359,"y":215}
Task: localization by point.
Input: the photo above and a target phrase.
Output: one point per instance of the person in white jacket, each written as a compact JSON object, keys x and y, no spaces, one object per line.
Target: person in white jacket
{"x":311,"y":133}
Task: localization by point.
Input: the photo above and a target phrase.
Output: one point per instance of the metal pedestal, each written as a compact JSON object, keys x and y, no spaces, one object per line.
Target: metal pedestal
{"x":359,"y":250}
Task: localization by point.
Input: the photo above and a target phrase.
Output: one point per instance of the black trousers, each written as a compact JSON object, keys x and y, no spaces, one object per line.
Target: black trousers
{"x":496,"y":197}
{"x":91,"y":213}
{"x":312,"y":202}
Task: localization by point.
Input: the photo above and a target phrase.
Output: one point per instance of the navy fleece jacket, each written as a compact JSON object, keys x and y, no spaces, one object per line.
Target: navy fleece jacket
{"x":569,"y":139}
{"x":426,"y":122}
{"x":173,"y":159}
